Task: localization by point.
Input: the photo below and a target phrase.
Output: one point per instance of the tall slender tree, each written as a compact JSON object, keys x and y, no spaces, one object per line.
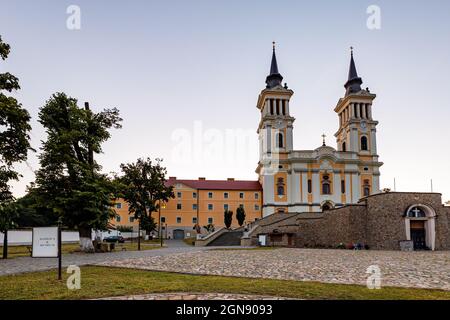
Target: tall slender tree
{"x":69,"y":180}
{"x":228,"y":218}
{"x":240,"y":215}
{"x":144,"y":188}
{"x":14,"y":143}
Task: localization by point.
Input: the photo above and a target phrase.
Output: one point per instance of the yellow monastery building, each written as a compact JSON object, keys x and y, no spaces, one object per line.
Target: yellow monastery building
{"x":201,"y":202}
{"x":289,"y":180}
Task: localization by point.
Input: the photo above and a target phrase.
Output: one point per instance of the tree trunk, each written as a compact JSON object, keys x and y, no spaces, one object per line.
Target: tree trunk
{"x":5,"y":245}
{"x":86,"y":240}
{"x":139,"y":235}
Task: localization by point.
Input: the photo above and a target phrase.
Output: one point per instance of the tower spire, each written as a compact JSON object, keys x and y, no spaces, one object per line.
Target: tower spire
{"x":274,"y":78}
{"x":353,"y":84}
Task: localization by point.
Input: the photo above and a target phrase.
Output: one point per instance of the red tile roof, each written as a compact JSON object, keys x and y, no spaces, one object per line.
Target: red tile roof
{"x":218,"y":184}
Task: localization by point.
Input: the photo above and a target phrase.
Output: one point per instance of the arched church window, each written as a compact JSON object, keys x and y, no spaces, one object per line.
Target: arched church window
{"x":344,"y":146}
{"x":280,"y":187}
{"x":326,"y":186}
{"x":280,"y":140}
{"x":366,"y":188}
{"x":364,"y":145}
{"x":416,"y":212}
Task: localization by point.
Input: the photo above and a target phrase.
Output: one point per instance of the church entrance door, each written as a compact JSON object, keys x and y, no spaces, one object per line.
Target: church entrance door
{"x":418,"y":234}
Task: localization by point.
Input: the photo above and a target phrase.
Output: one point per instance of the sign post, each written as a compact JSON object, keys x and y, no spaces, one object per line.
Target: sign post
{"x":59,"y":253}
{"x":47,"y":244}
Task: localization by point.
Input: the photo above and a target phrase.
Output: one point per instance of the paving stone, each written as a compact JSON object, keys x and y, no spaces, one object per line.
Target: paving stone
{"x":404,"y":269}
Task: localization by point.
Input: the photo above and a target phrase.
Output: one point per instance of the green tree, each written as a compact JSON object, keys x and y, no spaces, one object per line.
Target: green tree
{"x":14,"y":141}
{"x":34,"y":213}
{"x":228,"y":218}
{"x":69,"y":180}
{"x":240,"y":216}
{"x":143,"y":187}
{"x":148,"y":224}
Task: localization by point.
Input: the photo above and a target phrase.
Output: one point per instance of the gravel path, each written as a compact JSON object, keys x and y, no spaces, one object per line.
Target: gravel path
{"x":195,"y":296}
{"x":404,"y":269}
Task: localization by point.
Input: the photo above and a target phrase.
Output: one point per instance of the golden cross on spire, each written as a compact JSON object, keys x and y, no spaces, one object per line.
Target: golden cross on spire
{"x":351,"y":50}
{"x":323,"y":137}
{"x":273,"y":44}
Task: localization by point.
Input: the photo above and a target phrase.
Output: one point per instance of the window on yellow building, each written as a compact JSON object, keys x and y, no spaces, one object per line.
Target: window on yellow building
{"x":194,"y":206}
{"x":194,"y":195}
{"x":210,"y":195}
{"x":131,"y":219}
{"x":241,"y":206}
{"x":210,"y":220}
{"x":256,"y":195}
{"x":118,"y":206}
{"x":256,"y":207}
{"x":163,"y":219}
{"x":194,"y":220}
{"x":225,"y":207}
{"x":178,"y":194}
{"x":178,"y":219}
{"x":178,"y":206}
{"x":241,"y":195}
{"x":225,"y":195}
{"x":118,"y":218}
{"x":210,"y":206}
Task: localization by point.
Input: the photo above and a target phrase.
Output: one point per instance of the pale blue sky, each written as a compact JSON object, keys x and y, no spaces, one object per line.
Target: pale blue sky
{"x":167,"y":64}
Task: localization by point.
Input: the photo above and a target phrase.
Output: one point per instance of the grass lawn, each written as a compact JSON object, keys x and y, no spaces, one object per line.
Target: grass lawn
{"x":99,"y":282}
{"x":68,"y":248}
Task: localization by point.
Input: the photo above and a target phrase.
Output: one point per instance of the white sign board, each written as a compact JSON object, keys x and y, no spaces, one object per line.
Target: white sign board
{"x":262,"y":240}
{"x":45,"y":242}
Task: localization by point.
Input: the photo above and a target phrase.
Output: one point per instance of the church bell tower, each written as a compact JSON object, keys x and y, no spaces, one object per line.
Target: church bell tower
{"x":357,"y":129}
{"x":276,"y":124}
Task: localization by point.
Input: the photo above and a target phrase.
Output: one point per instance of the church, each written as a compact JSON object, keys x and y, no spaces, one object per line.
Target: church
{"x":330,"y":197}
{"x":324,"y":178}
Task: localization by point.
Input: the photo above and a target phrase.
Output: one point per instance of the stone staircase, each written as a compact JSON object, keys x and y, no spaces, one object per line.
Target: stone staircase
{"x":229,"y":238}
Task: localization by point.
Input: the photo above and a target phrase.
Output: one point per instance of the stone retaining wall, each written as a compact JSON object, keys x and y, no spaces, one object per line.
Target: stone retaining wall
{"x":377,"y":221}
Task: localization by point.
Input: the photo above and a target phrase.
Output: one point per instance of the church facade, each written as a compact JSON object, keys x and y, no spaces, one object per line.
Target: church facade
{"x":330,"y":197}
{"x":323,"y":178}
{"x":327,"y":197}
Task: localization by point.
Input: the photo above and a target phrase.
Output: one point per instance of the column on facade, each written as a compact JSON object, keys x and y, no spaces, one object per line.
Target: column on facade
{"x":269,"y":138}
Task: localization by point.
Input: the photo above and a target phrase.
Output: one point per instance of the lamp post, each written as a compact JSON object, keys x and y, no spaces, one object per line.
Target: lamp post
{"x":159,"y":224}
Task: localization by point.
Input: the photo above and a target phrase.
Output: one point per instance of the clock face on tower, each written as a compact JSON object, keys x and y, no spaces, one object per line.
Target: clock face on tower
{"x":363,"y":125}
{"x":279,"y":124}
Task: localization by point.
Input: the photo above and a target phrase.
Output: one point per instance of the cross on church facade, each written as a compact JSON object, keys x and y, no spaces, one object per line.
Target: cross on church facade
{"x":323,"y":137}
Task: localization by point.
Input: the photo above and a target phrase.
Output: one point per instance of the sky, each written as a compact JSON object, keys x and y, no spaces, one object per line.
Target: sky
{"x":186,"y":75}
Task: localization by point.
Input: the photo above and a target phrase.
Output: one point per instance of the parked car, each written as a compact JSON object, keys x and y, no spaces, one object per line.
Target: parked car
{"x":114,"y":239}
